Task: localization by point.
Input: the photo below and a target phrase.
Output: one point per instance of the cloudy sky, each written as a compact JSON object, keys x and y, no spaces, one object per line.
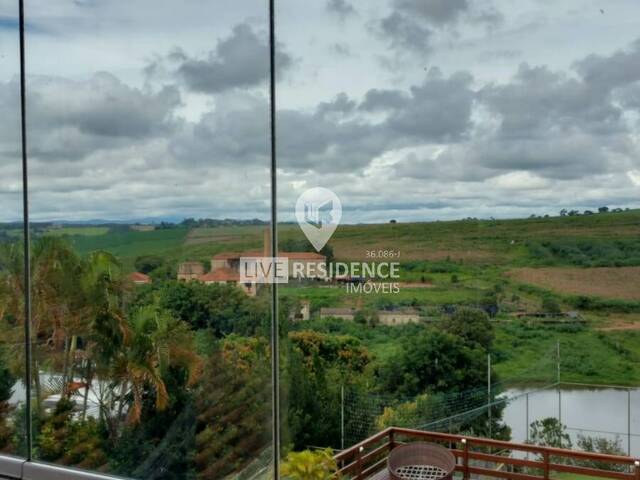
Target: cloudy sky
{"x":407,"y":109}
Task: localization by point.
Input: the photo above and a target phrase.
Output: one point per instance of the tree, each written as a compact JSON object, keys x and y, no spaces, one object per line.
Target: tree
{"x":602,"y":445}
{"x":157,"y":342}
{"x":434,"y":361}
{"x":7,"y":381}
{"x":408,"y":414}
{"x":604,"y":209}
{"x":549,"y":432}
{"x":472,"y":326}
{"x":308,"y":465}
{"x":234,"y":407}
{"x":148,"y":263}
{"x":224,"y":309}
{"x":550,"y":305}
{"x":318,"y":365}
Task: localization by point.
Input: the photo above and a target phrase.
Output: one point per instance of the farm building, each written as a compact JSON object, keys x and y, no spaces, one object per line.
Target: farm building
{"x":223,"y":276}
{"x":190,"y":271}
{"x":398,"y":317}
{"x":139,"y":278}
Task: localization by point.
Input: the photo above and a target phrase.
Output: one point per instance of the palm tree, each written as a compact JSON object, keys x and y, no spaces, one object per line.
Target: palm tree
{"x":68,"y":295}
{"x":157,"y":342}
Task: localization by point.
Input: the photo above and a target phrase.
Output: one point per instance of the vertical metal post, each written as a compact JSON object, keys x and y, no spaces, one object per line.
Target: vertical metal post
{"x":26,"y":234}
{"x":527,"y":420}
{"x":275,"y":331}
{"x":629,"y":422}
{"x":559,"y":391}
{"x":560,"y":408}
{"x":342,"y":417}
{"x":465,"y":459}
{"x":558,"y":362}
{"x":489,"y":393}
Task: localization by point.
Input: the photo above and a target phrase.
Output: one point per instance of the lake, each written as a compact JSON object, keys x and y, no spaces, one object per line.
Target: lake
{"x":601,"y":412}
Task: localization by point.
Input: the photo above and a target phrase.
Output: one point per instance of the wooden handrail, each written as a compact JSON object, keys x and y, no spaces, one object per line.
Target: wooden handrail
{"x":364,"y":458}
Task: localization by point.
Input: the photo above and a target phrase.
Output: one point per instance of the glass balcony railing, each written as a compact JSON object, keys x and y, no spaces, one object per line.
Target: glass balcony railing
{"x":282,"y":239}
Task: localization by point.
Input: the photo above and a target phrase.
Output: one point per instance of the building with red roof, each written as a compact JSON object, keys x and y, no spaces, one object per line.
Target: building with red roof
{"x":139,"y":278}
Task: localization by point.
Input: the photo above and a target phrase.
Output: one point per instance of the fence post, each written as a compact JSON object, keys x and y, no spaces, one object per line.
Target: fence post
{"x":545,"y":457}
{"x":392,"y":440}
{"x":359,"y":463}
{"x":637,"y":469}
{"x":629,"y":422}
{"x":465,"y":459}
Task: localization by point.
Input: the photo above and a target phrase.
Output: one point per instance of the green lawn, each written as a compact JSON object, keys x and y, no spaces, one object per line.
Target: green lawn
{"x":80,"y":231}
{"x":528,"y":354}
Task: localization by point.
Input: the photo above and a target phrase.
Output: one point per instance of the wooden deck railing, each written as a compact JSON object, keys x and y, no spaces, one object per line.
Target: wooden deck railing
{"x":482,"y":456}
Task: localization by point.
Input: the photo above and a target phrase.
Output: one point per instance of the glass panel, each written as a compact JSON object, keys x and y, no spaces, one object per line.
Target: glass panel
{"x":150,"y":181}
{"x":488,"y":150}
{"x":12,"y":345}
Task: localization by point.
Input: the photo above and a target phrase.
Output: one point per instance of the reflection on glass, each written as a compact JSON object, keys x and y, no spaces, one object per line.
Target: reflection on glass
{"x":498,"y":172}
{"x":12,"y":351}
{"x":149,"y":181}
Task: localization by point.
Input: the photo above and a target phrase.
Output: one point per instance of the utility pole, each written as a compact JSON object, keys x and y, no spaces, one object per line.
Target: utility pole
{"x":489,"y":392}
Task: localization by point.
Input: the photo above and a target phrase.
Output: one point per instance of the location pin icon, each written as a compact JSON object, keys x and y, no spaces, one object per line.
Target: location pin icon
{"x":318,"y":211}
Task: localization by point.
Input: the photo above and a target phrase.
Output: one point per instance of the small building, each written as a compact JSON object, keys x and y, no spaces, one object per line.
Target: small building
{"x":302,"y":313}
{"x":188,"y":271}
{"x":139,"y":278}
{"x":142,"y":228}
{"x":398,"y":317}
{"x":231,"y":260}
{"x":224,"y":276}
{"x":343,"y":313}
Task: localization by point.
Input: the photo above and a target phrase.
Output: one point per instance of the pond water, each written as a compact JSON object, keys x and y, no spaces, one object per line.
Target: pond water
{"x":595,"y":412}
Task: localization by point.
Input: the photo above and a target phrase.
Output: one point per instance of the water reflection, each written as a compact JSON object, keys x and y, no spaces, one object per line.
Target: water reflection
{"x":589,"y":412}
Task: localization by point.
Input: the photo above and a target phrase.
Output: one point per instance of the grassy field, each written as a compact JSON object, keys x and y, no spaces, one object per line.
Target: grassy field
{"x":606,"y":282}
{"x":527,"y":354}
{"x":80,"y":231}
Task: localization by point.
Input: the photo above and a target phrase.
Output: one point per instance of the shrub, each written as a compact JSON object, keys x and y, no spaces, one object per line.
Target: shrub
{"x":308,"y":465}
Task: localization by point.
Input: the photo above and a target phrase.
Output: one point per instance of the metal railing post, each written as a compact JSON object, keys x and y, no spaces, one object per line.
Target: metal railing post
{"x":465,"y":459}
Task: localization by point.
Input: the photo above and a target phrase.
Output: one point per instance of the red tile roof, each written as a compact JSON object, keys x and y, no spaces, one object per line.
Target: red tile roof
{"x":302,"y":255}
{"x":137,"y":277}
{"x":257,"y":253}
{"x":220,"y":275}
{"x":237,"y":255}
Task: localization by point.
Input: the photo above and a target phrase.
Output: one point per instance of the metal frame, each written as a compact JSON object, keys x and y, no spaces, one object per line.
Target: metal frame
{"x":15,"y":468}
{"x":19,"y":468}
{"x":11,"y":467}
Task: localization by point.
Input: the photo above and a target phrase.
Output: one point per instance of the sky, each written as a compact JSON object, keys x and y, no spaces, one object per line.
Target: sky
{"x":414,"y":110}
